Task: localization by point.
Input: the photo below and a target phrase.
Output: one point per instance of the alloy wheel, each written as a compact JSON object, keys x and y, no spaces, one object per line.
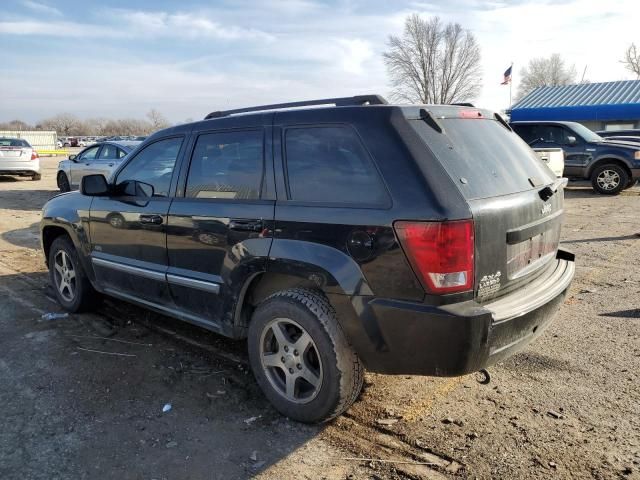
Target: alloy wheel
{"x":290,"y":360}
{"x":65,"y":276}
{"x":608,"y":179}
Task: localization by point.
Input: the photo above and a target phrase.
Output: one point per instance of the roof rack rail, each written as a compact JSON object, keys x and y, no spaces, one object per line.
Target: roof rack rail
{"x":338,"y":102}
{"x":463,"y":104}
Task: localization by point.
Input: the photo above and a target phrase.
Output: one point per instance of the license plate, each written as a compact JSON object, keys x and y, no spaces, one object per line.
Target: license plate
{"x":524,"y":257}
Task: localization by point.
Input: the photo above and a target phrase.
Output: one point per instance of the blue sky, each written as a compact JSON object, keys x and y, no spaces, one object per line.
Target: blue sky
{"x":119,"y":58}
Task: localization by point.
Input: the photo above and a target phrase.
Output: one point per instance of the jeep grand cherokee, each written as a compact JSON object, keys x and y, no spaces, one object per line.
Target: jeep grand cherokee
{"x":415,"y":239}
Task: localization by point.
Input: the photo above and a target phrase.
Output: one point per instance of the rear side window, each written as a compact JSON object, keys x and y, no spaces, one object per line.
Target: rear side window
{"x":227,"y":165}
{"x":484,"y":158}
{"x":330,"y":165}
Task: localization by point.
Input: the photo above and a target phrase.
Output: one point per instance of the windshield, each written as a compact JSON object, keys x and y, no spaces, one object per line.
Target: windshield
{"x":585,"y":133}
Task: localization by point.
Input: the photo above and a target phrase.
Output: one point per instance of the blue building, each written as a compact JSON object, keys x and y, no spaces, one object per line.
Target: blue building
{"x":598,"y":106}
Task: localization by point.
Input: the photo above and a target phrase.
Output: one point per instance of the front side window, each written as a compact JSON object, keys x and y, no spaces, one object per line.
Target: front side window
{"x":330,"y":165}
{"x":154,"y":165}
{"x":227,"y":165}
{"x":90,"y":153}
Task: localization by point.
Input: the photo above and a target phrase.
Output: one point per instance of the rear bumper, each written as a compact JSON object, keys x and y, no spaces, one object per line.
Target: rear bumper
{"x":20,"y":168}
{"x":462,"y":338}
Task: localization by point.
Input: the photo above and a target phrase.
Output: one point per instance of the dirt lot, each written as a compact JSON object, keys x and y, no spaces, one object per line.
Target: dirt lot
{"x":83,"y":396}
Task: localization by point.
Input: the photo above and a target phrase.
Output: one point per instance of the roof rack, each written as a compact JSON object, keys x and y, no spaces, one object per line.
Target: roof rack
{"x":338,"y":102}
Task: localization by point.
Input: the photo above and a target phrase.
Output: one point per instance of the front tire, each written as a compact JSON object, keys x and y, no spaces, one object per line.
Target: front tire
{"x":301,"y":358}
{"x":72,"y":288}
{"x":63,"y":182}
{"x":609,"y":179}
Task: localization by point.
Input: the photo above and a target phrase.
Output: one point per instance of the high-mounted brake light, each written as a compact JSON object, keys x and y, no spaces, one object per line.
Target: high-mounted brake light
{"x":470,"y":114}
{"x":441,"y":253}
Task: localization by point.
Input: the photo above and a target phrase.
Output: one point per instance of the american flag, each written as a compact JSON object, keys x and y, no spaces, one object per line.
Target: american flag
{"x":507,"y":76}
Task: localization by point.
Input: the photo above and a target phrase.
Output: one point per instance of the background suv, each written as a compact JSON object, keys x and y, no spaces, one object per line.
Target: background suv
{"x":401,"y":239}
{"x":611,"y":166}
{"x":17,"y":157}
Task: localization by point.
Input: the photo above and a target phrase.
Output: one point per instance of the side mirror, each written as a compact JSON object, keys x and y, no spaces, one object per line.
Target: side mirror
{"x":73,"y":157}
{"x":134,"y":188}
{"x":572,"y":140}
{"x":94,"y":185}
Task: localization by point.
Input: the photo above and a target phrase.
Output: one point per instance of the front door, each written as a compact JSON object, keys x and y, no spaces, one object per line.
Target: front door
{"x":218,"y":231}
{"x":128,"y":230}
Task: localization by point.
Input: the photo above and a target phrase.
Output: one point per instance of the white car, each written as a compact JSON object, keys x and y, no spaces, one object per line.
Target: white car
{"x":102,"y":158}
{"x":553,"y":157}
{"x":18,"y":158}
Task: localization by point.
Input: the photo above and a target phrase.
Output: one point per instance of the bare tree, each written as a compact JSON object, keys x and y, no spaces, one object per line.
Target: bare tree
{"x":15,"y":125}
{"x":158,"y":121}
{"x":433,"y":62}
{"x":63,"y":123}
{"x":631,"y":60}
{"x":545,"y":72}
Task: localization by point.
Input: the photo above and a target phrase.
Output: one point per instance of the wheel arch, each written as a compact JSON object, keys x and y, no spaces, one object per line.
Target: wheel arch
{"x":298,"y":264}
{"x":49,"y":235}
{"x":607,"y":161}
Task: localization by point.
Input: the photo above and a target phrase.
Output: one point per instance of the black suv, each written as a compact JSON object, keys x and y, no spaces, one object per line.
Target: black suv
{"x":400,"y":239}
{"x":611,"y":166}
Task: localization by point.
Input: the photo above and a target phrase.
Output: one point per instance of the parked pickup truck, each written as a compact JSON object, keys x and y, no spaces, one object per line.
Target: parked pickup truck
{"x":553,"y":157}
{"x":611,"y":166}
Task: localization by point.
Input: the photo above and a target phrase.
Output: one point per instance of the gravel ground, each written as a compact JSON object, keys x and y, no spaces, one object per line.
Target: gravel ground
{"x":83,"y":396}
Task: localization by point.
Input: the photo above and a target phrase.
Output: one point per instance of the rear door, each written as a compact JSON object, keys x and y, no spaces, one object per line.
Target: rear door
{"x":109,"y":158}
{"x":517,"y":227}
{"x":219,"y":226}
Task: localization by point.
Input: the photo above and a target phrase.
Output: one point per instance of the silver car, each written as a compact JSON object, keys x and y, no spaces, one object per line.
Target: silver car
{"x":19,"y":158}
{"x":101,"y":158}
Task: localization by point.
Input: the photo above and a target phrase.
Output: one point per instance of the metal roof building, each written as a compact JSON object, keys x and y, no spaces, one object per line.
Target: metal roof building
{"x":599,"y":106}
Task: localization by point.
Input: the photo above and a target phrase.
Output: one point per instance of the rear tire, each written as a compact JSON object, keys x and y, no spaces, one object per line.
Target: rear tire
{"x":63,"y":182}
{"x":609,"y":179}
{"x":301,"y":358}
{"x":36,"y":177}
{"x":71,"y":286}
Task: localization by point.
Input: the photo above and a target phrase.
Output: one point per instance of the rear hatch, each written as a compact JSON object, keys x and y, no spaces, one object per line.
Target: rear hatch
{"x":515,"y":200}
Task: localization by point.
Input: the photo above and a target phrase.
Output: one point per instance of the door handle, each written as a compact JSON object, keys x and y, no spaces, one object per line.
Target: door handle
{"x":110,"y":164}
{"x":151,"y":219}
{"x":245,"y":225}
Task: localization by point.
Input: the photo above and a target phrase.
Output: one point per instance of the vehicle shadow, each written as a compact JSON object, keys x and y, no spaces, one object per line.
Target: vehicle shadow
{"x":28,"y":237}
{"x":633,"y":313}
{"x":27,"y":199}
{"x":131,"y":393}
{"x":604,"y":239}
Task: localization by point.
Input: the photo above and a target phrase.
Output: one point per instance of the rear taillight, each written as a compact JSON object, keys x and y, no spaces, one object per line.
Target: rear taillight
{"x":34,"y":155}
{"x":441,"y":253}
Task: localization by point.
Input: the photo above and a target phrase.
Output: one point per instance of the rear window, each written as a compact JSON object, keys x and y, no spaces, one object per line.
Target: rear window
{"x":13,"y":142}
{"x":484,"y":158}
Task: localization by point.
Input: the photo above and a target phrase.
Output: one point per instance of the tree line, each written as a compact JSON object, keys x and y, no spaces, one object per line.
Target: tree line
{"x":69,"y":125}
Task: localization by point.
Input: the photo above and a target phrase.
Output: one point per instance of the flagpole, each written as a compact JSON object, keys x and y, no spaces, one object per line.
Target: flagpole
{"x":510,"y":84}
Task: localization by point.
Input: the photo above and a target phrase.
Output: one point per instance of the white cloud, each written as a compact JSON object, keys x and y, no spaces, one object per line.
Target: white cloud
{"x":189,"y":25}
{"x":41,"y":8}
